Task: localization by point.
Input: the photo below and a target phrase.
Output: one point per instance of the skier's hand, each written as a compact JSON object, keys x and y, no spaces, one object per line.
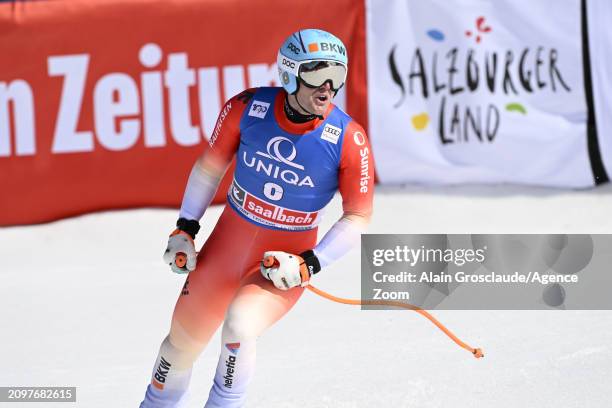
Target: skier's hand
{"x":287,"y":271}
{"x":180,"y":253}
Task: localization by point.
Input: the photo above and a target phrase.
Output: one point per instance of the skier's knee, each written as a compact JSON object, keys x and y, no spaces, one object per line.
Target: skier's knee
{"x":182,"y":348}
{"x":182,"y":339}
{"x":179,"y":358}
{"x":238,"y":329}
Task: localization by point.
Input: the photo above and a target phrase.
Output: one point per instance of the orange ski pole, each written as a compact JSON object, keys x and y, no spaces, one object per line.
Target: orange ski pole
{"x":477,"y":352}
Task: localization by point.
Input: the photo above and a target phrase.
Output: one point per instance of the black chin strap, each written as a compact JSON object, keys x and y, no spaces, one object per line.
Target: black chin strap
{"x":298,"y":117}
{"x":311,"y":115}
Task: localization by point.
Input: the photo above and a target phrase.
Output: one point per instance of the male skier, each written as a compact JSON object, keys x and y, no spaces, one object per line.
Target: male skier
{"x":294,"y":149}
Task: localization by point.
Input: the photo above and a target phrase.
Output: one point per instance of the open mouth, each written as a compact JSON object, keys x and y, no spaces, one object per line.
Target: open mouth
{"x":322,"y":98}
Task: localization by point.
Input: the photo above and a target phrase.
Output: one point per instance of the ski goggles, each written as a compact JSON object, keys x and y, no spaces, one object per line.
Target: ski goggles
{"x":315,"y":73}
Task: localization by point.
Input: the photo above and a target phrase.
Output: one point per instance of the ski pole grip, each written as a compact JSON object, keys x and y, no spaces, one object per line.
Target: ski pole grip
{"x":180,"y":259}
{"x":269,"y":261}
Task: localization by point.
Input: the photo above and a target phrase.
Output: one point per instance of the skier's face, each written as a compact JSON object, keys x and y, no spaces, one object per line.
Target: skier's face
{"x":315,"y":100}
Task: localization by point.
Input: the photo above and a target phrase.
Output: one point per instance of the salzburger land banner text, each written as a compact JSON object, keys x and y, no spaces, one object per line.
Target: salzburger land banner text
{"x":479,"y":92}
{"x":106,"y":104}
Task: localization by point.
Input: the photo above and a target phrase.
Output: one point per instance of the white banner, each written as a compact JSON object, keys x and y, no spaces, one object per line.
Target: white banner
{"x":477,"y":91}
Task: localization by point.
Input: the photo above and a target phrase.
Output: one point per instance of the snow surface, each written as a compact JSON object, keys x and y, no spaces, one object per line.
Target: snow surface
{"x":86,"y":301}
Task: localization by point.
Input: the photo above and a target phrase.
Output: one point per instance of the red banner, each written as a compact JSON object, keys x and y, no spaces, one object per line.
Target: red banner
{"x":106,"y":104}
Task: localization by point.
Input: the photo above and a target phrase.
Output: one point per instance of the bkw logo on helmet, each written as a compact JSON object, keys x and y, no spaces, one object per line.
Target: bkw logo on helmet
{"x":325,"y":46}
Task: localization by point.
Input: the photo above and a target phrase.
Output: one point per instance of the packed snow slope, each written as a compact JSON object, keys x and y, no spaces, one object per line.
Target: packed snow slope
{"x":86,"y":301}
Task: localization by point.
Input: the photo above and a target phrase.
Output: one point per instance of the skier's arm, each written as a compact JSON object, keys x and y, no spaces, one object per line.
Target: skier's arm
{"x":356,"y":186}
{"x":211,"y":165}
{"x":203,"y":182}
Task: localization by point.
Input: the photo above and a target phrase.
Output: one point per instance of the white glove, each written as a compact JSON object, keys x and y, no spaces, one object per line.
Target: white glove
{"x":285,"y":270}
{"x":180,"y":253}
